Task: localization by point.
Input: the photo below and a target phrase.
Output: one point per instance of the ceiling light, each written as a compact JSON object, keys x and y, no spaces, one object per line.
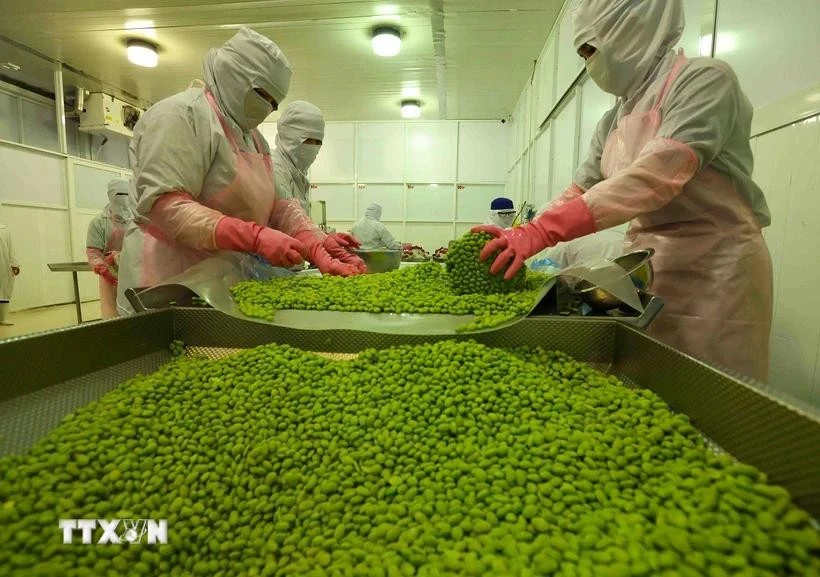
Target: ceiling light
{"x":10,"y":66}
{"x":410,"y":108}
{"x":386,"y":41}
{"x":142,"y":53}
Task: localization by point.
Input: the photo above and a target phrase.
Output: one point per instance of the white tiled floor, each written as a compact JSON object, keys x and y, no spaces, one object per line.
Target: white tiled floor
{"x":48,"y":318}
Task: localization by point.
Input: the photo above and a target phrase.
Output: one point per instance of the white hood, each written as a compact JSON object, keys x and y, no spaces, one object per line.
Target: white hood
{"x":373,"y":211}
{"x":631,"y":38}
{"x":300,"y":121}
{"x":246,"y":61}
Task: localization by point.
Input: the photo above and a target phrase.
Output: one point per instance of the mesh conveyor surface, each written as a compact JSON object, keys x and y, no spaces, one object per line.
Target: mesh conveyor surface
{"x":27,"y":418}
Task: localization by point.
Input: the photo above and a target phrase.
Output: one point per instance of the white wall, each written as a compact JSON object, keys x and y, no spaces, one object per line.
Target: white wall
{"x":48,"y":197}
{"x":434,"y":180}
{"x":773,"y":51}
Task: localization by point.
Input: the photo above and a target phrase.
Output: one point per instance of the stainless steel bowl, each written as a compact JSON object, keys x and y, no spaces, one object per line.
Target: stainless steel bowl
{"x":637,"y":264}
{"x":380,"y":260}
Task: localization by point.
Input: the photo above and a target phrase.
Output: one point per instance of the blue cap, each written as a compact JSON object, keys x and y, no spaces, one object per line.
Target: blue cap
{"x":502,"y":203}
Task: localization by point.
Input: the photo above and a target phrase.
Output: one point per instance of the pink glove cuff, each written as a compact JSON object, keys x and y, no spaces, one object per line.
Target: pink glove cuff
{"x":311,"y":240}
{"x":564,"y":223}
{"x":236,"y":234}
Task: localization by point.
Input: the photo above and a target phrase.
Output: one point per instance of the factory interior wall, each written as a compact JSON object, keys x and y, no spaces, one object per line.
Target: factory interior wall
{"x":434,"y":179}
{"x":552,"y":124}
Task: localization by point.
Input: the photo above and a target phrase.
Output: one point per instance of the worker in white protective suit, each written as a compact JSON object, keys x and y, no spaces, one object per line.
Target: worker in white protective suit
{"x":204,"y":176}
{"x":300,"y":132}
{"x":502,"y":213}
{"x":672,"y":157}
{"x":9,"y":268}
{"x":104,"y":242}
{"x":371,"y":232}
{"x":606,"y":244}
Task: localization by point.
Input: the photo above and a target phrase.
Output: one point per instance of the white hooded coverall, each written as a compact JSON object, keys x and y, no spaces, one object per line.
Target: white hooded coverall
{"x":293,"y":157}
{"x":673,"y":157}
{"x":371,"y":233}
{"x":8,"y":261}
{"x":104,"y":239}
{"x":203,"y":142}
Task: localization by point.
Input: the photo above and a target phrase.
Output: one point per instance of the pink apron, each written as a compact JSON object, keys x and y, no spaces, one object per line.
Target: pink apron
{"x":712,"y":266}
{"x":250,"y":196}
{"x":108,"y":292}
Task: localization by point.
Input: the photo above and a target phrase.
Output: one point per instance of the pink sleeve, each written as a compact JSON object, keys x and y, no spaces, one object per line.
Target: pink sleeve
{"x":289,"y":217}
{"x":94,"y":256}
{"x":656,"y":177}
{"x":571,"y":193}
{"x":181,"y":218}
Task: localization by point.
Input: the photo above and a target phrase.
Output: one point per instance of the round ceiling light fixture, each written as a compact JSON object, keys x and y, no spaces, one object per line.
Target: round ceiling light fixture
{"x":142,"y":53}
{"x":410,"y":108}
{"x":386,"y":41}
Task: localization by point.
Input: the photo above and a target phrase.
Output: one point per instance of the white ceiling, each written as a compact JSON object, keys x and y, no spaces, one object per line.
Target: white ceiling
{"x":490,"y":48}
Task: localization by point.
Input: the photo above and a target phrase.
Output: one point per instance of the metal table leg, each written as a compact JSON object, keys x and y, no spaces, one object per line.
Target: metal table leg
{"x":77,"y":297}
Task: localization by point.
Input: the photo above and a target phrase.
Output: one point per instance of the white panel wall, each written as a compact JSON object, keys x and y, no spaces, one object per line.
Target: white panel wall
{"x":788,"y":171}
{"x":430,"y":203}
{"x":478,"y":152}
{"x":339,"y":200}
{"x":9,"y":122}
{"x":431,"y":178}
{"x":541,"y":168}
{"x":431,"y":152}
{"x":380,"y":152}
{"x":389,"y":196}
{"x":545,"y":87}
{"x":39,"y":236}
{"x":570,"y":64}
{"x":563,"y":148}
{"x":336,"y":160}
{"x":695,"y":11}
{"x":774,"y":47}
{"x":31,"y":177}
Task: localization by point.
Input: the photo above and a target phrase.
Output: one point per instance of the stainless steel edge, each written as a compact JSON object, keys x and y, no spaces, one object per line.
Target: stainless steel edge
{"x":32,"y":362}
{"x":751,"y":421}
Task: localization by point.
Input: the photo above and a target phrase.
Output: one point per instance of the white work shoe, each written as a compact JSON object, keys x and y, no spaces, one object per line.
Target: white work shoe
{"x":4,"y":311}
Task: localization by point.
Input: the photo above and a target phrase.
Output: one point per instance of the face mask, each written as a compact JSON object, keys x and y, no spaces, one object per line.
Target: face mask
{"x":611,"y":77}
{"x":305,"y":155}
{"x":119,"y":207}
{"x":256,"y":110}
{"x":503,"y":220}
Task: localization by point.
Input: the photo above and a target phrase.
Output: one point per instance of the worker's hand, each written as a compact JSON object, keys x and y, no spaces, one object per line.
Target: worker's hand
{"x":338,"y":246}
{"x":274,"y":246}
{"x":105,"y":273}
{"x":319,"y":256}
{"x":344,"y":240}
{"x":279,"y":249}
{"x":564,"y":223}
{"x":514,"y":246}
{"x":333,"y":266}
{"x":15,"y":270}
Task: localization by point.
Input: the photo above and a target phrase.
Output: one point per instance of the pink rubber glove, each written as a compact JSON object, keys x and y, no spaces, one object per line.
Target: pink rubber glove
{"x":320,"y":257}
{"x":568,"y":221}
{"x":275,"y":247}
{"x":338,"y":246}
{"x":105,"y":273}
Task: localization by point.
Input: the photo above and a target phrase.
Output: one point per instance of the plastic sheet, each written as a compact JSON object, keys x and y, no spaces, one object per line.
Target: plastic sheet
{"x":213,"y":278}
{"x":607,"y":275}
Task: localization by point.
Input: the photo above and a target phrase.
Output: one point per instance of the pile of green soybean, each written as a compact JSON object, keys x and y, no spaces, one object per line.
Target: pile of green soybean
{"x":442,"y":459}
{"x":424,"y":288}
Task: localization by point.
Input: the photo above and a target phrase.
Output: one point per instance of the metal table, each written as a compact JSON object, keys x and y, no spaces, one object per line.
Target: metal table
{"x":73,"y":268}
